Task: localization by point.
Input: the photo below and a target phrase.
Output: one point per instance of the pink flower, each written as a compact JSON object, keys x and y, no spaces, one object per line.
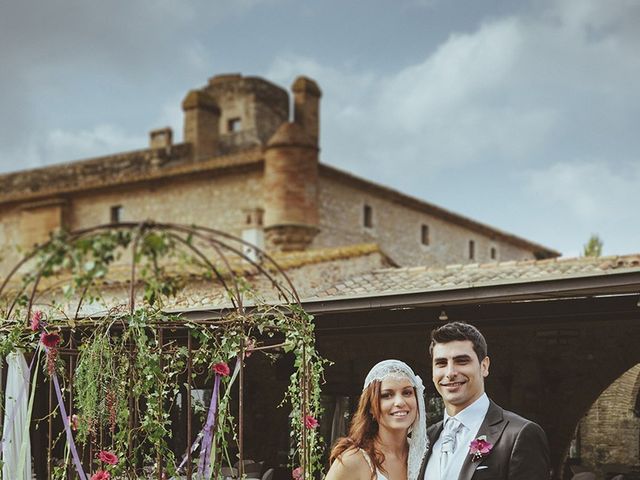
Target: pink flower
{"x":221,"y":368}
{"x":35,"y":320}
{"x":50,"y":340}
{"x":297,"y":474}
{"x":108,"y":457}
{"x":480,"y":448}
{"x":100,"y":475}
{"x":310,"y":422}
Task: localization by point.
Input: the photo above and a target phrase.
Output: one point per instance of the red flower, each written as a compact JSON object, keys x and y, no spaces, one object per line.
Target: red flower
{"x":297,"y":474}
{"x":221,"y":368}
{"x":107,"y":457}
{"x":50,"y":340}
{"x":35,"y":320}
{"x":480,"y":448}
{"x":310,"y":422}
{"x":100,"y":475}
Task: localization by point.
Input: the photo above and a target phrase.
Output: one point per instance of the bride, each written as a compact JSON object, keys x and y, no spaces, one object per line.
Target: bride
{"x":388,"y":435}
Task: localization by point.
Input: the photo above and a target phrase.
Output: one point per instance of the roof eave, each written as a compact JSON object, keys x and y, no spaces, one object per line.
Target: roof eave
{"x":544,"y":290}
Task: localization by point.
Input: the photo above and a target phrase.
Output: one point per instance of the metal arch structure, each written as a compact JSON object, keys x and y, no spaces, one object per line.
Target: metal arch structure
{"x":220,"y":253}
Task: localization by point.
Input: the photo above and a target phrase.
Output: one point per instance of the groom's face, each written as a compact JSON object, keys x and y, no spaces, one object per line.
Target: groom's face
{"x":458,"y":374}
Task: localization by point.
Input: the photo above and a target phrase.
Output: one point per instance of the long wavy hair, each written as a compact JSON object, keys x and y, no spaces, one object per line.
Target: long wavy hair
{"x":364,"y":429}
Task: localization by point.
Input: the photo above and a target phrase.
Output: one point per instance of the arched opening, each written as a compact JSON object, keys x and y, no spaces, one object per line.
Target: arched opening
{"x":607,"y":439}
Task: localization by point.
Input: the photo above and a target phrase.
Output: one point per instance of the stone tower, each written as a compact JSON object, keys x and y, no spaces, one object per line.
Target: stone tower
{"x":290,"y":189}
{"x":291,"y":174}
{"x":251,"y":108}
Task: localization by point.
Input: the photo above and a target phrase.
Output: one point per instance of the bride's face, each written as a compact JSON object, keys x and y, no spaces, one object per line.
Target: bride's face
{"x":398,"y":404}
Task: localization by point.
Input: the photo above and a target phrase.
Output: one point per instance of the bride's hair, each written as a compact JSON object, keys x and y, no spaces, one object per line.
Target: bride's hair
{"x":363,"y":429}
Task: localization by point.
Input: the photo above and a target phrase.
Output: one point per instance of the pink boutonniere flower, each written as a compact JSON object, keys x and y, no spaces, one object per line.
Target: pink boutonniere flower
{"x":480,"y":448}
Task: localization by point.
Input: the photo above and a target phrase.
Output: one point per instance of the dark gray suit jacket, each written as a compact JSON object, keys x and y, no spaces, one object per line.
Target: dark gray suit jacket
{"x":520,"y":450}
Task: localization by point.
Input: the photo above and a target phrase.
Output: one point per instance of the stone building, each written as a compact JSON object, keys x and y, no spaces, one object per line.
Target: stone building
{"x":244,"y":168}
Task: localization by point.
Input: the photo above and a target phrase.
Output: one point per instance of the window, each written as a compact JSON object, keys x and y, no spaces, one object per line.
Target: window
{"x":472,"y":250}
{"x":116,"y":213}
{"x":234,"y":125}
{"x":494,"y":253}
{"x":368,"y":216}
{"x":424,"y":234}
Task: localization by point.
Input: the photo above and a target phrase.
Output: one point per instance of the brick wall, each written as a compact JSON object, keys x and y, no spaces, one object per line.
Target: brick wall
{"x":609,"y":434}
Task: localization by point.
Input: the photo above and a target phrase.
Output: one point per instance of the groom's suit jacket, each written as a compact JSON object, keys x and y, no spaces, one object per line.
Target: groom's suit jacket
{"x":520,"y":450}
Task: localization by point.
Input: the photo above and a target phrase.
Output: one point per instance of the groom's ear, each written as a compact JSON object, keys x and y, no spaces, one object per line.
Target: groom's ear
{"x":484,"y":366}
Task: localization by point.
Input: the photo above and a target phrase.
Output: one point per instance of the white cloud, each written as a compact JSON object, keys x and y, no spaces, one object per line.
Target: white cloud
{"x":591,"y":191}
{"x":64,"y":145}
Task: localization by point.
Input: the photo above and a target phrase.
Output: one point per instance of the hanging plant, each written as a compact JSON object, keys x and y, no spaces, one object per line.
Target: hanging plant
{"x":128,"y":374}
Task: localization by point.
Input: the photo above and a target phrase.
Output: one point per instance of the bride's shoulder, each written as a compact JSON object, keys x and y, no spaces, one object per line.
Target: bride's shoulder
{"x":351,"y":464}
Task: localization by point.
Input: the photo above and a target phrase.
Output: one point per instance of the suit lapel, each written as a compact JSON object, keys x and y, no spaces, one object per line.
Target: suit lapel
{"x":492,"y":426}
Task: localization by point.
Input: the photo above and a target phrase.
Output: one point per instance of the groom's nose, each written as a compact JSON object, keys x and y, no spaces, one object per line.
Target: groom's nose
{"x":451,"y":372}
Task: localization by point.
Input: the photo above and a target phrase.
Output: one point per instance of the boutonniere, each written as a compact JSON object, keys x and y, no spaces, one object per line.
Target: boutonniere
{"x":480,"y":448}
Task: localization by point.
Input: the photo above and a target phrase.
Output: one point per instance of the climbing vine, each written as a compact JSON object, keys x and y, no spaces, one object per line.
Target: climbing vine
{"x":130,"y":367}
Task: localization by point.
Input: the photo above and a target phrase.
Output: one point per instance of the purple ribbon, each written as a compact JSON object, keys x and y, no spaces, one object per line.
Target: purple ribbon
{"x":67,"y":427}
{"x":204,"y":464}
{"x":12,"y":418}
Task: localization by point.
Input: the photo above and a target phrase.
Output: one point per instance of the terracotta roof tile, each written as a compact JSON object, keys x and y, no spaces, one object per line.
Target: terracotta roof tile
{"x":399,"y":280}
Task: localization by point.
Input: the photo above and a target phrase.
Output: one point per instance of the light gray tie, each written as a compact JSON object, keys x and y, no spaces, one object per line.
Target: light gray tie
{"x":449,"y":433}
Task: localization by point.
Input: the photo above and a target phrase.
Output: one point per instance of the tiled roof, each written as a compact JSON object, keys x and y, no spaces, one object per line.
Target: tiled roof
{"x":289,"y":260}
{"x":415,"y":279}
{"x":309,"y":271}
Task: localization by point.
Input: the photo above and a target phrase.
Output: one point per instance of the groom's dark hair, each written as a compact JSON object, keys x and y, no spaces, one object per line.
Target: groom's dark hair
{"x":461,"y":331}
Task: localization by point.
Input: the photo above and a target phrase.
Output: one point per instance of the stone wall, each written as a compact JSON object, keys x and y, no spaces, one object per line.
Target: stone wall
{"x":214,"y":202}
{"x":397,"y":229}
{"x":609,"y":435}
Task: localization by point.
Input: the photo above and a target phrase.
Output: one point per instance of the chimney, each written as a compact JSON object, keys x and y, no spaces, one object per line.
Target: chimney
{"x":201,"y":124}
{"x":161,"y":138}
{"x":306,"y":106}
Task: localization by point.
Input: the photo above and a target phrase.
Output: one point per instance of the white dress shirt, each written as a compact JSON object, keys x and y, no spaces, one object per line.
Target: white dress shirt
{"x":471,"y":418}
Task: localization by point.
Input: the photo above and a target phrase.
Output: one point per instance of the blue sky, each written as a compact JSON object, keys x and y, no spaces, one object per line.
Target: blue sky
{"x":522,"y":115}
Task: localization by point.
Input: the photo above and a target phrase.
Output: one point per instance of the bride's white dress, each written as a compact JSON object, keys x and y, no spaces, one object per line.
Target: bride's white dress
{"x":379,"y":476}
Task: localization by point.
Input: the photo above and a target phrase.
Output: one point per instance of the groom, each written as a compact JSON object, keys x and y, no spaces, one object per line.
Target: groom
{"x":476,"y":439}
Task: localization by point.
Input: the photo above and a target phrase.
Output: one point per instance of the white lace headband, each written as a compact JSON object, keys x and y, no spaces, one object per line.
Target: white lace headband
{"x":418,"y":442}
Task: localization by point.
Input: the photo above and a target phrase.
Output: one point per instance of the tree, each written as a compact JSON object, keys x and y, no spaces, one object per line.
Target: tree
{"x":593,"y":248}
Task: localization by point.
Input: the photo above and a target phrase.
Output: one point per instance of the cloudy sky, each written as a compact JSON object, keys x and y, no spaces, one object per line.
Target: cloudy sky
{"x":523,"y":115}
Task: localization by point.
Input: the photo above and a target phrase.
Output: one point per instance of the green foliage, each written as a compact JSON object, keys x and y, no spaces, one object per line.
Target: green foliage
{"x":593,"y":248}
{"x":128,"y":375}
